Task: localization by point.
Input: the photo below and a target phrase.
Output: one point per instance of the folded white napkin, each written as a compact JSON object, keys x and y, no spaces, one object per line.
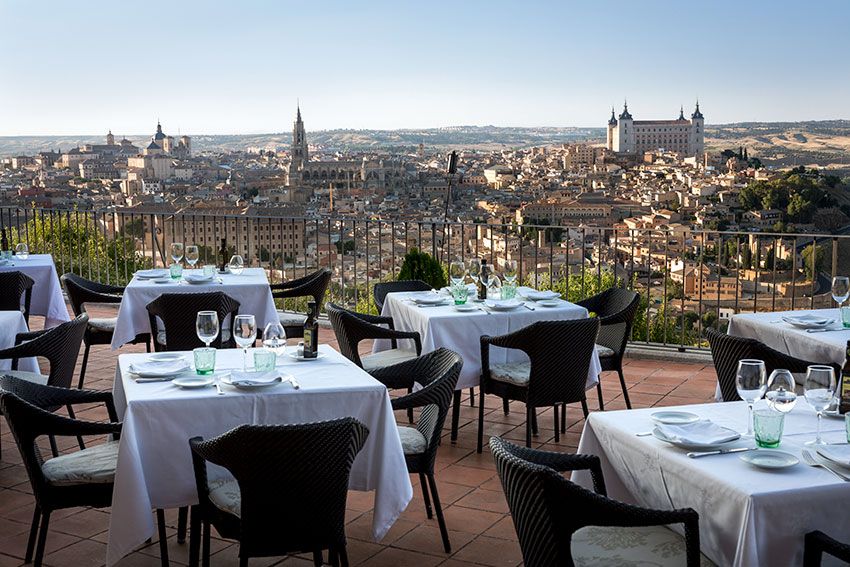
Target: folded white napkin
{"x":535,"y":295}
{"x":704,"y":432}
{"x":147,"y":274}
{"x":198,"y":278}
{"x":837,"y":453}
{"x":254,"y":378}
{"x":503,"y":303}
{"x":427,"y":298}
{"x":807,"y":321}
{"x":159,"y":368}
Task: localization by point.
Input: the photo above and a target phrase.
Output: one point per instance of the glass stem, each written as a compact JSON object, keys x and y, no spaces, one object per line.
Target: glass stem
{"x":749,"y":420}
{"x":818,"y":440}
{"x":244,"y":359}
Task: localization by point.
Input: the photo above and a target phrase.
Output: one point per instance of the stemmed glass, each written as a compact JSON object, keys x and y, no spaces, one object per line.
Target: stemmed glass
{"x":176,"y":252}
{"x":510,"y":272}
{"x":840,"y":289}
{"x":206,"y":325}
{"x":781,"y":390}
{"x":457,"y":272}
{"x":819,"y":388}
{"x":474,"y":269}
{"x":274,"y":338}
{"x":751,"y":384}
{"x":237,"y":264}
{"x":22,"y":251}
{"x":192,"y":255}
{"x":245,"y":333}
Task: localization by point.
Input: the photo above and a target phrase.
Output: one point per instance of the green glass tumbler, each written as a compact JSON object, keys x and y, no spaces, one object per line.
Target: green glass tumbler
{"x":204,"y":360}
{"x":768,"y":425}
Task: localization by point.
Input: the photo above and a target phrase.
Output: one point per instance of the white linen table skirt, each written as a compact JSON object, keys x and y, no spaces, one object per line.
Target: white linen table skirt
{"x":47,"y":299}
{"x":747,"y":516}
{"x":154,"y":460}
{"x":461,"y":331}
{"x":250,"y":289}
{"x":12,"y":323}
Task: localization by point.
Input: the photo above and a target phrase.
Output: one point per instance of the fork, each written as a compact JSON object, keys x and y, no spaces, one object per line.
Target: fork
{"x":813,"y":462}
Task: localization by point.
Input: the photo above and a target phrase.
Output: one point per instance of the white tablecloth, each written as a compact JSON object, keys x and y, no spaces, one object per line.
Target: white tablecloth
{"x":461,"y":332}
{"x":823,"y":347}
{"x":250,"y":289}
{"x":154,"y":461}
{"x":12,"y":323}
{"x":747,"y":516}
{"x":47,"y":300}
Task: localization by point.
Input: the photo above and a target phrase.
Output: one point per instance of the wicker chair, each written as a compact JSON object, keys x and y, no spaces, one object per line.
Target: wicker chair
{"x":82,"y":478}
{"x":16,"y":285}
{"x":350,"y":328}
{"x":550,"y":511}
{"x":616,"y":309}
{"x":727,"y":350}
{"x":381,"y":290}
{"x":818,"y":543}
{"x":178,"y":312}
{"x":437,"y":373}
{"x":288,"y":492}
{"x":99,"y":330}
{"x":313,"y":286}
{"x":559,"y":359}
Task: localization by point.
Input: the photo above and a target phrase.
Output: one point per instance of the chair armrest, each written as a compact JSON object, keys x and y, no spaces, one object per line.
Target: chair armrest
{"x":818,"y":542}
{"x":383,"y":333}
{"x":60,"y":426}
{"x":375,"y":319}
{"x":563,"y":462}
{"x":515,"y":340}
{"x":420,"y":398}
{"x":28,"y":336}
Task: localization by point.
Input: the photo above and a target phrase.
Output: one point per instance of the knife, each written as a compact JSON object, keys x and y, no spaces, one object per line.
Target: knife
{"x":698,"y":454}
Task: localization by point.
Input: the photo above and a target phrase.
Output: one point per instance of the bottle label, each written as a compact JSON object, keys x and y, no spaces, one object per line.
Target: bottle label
{"x":844,"y":401}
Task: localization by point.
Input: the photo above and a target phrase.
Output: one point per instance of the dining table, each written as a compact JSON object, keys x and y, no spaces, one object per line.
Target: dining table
{"x":445,"y":326}
{"x":47,"y":299}
{"x":12,"y":323}
{"x":747,"y":515}
{"x":250,"y":289}
{"x":154,"y":461}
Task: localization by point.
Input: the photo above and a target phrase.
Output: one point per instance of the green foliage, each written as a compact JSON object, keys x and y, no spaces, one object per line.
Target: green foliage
{"x":799,"y":192}
{"x":422,"y":266}
{"x":819,"y":260}
{"x":343,"y":246}
{"x":551,"y":234}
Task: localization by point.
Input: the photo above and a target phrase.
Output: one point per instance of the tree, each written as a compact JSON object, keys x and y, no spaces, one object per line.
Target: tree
{"x":819,"y":260}
{"x":422,"y":266}
{"x":343,"y":246}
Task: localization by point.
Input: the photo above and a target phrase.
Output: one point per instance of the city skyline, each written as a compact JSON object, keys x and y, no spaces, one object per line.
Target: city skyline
{"x":383,"y":66}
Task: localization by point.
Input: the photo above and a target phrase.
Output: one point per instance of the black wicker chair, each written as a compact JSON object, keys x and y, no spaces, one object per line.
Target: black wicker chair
{"x":99,"y":330}
{"x":72,"y":480}
{"x":437,"y":373}
{"x":559,"y":359}
{"x":550,"y":511}
{"x":288,"y":492}
{"x":178,"y":312}
{"x":381,"y":290}
{"x":616,"y":309}
{"x":818,"y":543}
{"x":16,"y":285}
{"x":313,"y":286}
{"x":727,"y":350}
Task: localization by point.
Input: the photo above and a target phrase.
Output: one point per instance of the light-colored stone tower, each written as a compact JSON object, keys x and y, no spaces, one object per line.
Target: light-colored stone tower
{"x":697,"y":132}
{"x":624,"y":142}
{"x":110,"y":139}
{"x":299,"y":142}
{"x":612,"y":125}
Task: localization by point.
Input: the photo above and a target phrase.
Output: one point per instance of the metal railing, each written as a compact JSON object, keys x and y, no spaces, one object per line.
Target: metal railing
{"x":687,"y":279}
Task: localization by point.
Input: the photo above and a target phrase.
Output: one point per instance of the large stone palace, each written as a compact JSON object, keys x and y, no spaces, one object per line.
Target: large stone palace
{"x":629,"y":136}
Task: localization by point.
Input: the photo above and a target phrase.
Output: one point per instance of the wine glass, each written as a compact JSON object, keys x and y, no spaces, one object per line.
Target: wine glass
{"x":176,"y":252}
{"x":236,"y":265}
{"x":751,"y":384}
{"x":274,"y":338}
{"x":22,"y":251}
{"x":474,"y":269}
{"x":819,"y":388}
{"x":510,"y":272}
{"x":457,"y":272}
{"x":206,"y":325}
{"x":192,"y":255}
{"x":781,"y":390}
{"x":245,"y":333}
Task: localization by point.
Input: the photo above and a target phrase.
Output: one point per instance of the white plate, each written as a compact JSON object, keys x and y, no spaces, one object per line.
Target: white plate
{"x":294,"y":356}
{"x":165,"y":357}
{"x":674,"y":417}
{"x":150,"y":274}
{"x":165,"y":373}
{"x":247,"y":385}
{"x":842,"y":459}
{"x":808,"y":321}
{"x":163,"y":281}
{"x":506,"y":305}
{"x":769,"y":459}
{"x":465,"y":307}
{"x":190,"y":382}
{"x":429,"y":299}
{"x":549,"y":303}
{"x":691,"y":446}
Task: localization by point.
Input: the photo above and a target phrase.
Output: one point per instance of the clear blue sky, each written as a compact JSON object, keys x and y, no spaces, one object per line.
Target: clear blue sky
{"x":238,"y":66}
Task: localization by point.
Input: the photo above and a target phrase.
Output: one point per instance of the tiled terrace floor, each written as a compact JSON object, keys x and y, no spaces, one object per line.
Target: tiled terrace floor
{"x":480,"y":527}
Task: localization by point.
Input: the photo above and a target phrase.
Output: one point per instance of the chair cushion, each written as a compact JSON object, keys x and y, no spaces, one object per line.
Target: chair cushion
{"x":630,"y":547}
{"x":93,"y":465}
{"x":516,"y":373}
{"x":412,"y":441}
{"x":386,"y":358}
{"x":226,"y":496}
{"x":290,"y":319}
{"x":106,"y":324}
{"x":28,"y":376}
{"x":604,"y":351}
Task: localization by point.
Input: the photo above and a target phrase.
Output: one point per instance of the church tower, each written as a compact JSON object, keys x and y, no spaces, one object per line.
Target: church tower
{"x":110,"y":139}
{"x":625,"y":140}
{"x":697,"y":132}
{"x":299,"y":142}
{"x":612,"y":125}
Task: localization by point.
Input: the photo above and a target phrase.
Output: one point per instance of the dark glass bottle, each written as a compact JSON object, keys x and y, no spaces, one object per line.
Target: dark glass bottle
{"x":222,"y":256}
{"x":4,"y":242}
{"x":311,"y":331}
{"x":844,"y":398}
{"x":483,"y":279}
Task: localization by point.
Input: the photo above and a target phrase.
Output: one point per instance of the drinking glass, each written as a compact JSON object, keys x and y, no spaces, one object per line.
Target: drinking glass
{"x":457,"y":272}
{"x":22,"y":251}
{"x":206,"y":325}
{"x":460,"y":293}
{"x":204,"y":360}
{"x":274,"y":338}
{"x":245,"y":333}
{"x":819,"y":388}
{"x":192,"y":255}
{"x":176,"y":252}
{"x":750,"y":380}
{"x":768,"y":427}
{"x":474,"y":269}
{"x":264,"y":360}
{"x":237,"y":264}
{"x":840,"y":289}
{"x":781,"y":390}
{"x":510,"y":272}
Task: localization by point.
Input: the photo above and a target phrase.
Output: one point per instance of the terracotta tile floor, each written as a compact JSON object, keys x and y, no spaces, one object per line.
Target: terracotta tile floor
{"x":476,"y":513}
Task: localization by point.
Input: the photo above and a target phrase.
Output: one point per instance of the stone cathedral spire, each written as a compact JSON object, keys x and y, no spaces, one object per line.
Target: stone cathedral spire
{"x":299,"y":140}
